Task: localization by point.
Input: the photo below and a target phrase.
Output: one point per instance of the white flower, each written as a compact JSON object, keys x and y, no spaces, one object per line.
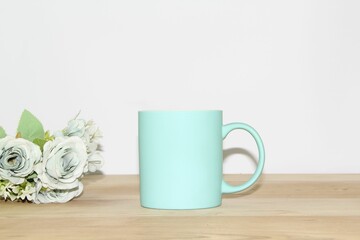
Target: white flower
{"x":57,"y":195}
{"x":63,"y":163}
{"x":75,"y":127}
{"x":6,"y":190}
{"x":93,"y":132}
{"x":17,"y":158}
{"x":27,"y":191}
{"x":87,"y":131}
{"x":95,"y":162}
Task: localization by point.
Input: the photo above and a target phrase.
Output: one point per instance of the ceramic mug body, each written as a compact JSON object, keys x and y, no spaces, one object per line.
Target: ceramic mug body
{"x":181,"y":159}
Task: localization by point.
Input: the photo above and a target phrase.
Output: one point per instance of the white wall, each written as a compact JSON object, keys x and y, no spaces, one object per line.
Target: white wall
{"x":289,"y":68}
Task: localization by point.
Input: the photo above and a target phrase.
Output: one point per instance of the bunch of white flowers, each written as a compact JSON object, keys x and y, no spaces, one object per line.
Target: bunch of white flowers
{"x":43,"y":168}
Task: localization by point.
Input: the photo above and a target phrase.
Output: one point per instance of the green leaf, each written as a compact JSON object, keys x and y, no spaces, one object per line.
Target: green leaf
{"x":40,"y":142}
{"x":30,"y":177}
{"x":30,"y":127}
{"x":2,"y":133}
{"x":48,"y":136}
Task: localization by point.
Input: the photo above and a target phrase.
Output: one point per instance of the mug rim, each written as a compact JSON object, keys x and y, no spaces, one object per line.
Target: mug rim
{"x":163,"y":111}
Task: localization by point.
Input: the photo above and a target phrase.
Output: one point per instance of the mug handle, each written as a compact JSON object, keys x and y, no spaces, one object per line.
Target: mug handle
{"x":226,"y":129}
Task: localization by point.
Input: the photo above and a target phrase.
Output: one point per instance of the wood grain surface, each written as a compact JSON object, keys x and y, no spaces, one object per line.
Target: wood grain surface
{"x":278,"y":207}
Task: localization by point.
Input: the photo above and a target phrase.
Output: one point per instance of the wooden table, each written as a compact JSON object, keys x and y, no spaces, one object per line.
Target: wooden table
{"x":278,"y":207}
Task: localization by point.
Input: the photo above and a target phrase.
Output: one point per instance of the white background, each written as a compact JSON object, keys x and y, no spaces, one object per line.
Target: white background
{"x":289,"y":68}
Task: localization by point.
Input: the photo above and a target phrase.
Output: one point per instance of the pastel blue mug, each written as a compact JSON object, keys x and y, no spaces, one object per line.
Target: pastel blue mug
{"x":181,"y":159}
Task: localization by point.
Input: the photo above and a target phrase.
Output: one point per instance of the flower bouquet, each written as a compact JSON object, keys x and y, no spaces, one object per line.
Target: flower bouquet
{"x":41,"y":167}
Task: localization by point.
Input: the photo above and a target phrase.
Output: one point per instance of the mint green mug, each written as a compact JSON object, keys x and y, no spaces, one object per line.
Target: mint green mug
{"x":181,"y":159}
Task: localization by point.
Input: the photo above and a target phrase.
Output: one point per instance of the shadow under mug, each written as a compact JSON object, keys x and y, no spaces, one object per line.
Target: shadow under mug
{"x":181,"y":159}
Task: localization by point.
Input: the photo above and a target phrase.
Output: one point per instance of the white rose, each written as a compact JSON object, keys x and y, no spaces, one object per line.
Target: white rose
{"x":75,"y":127}
{"x":57,"y":195}
{"x":17,"y":158}
{"x":93,"y":132}
{"x":87,"y":131}
{"x":63,"y":163}
{"x":95,"y":162}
